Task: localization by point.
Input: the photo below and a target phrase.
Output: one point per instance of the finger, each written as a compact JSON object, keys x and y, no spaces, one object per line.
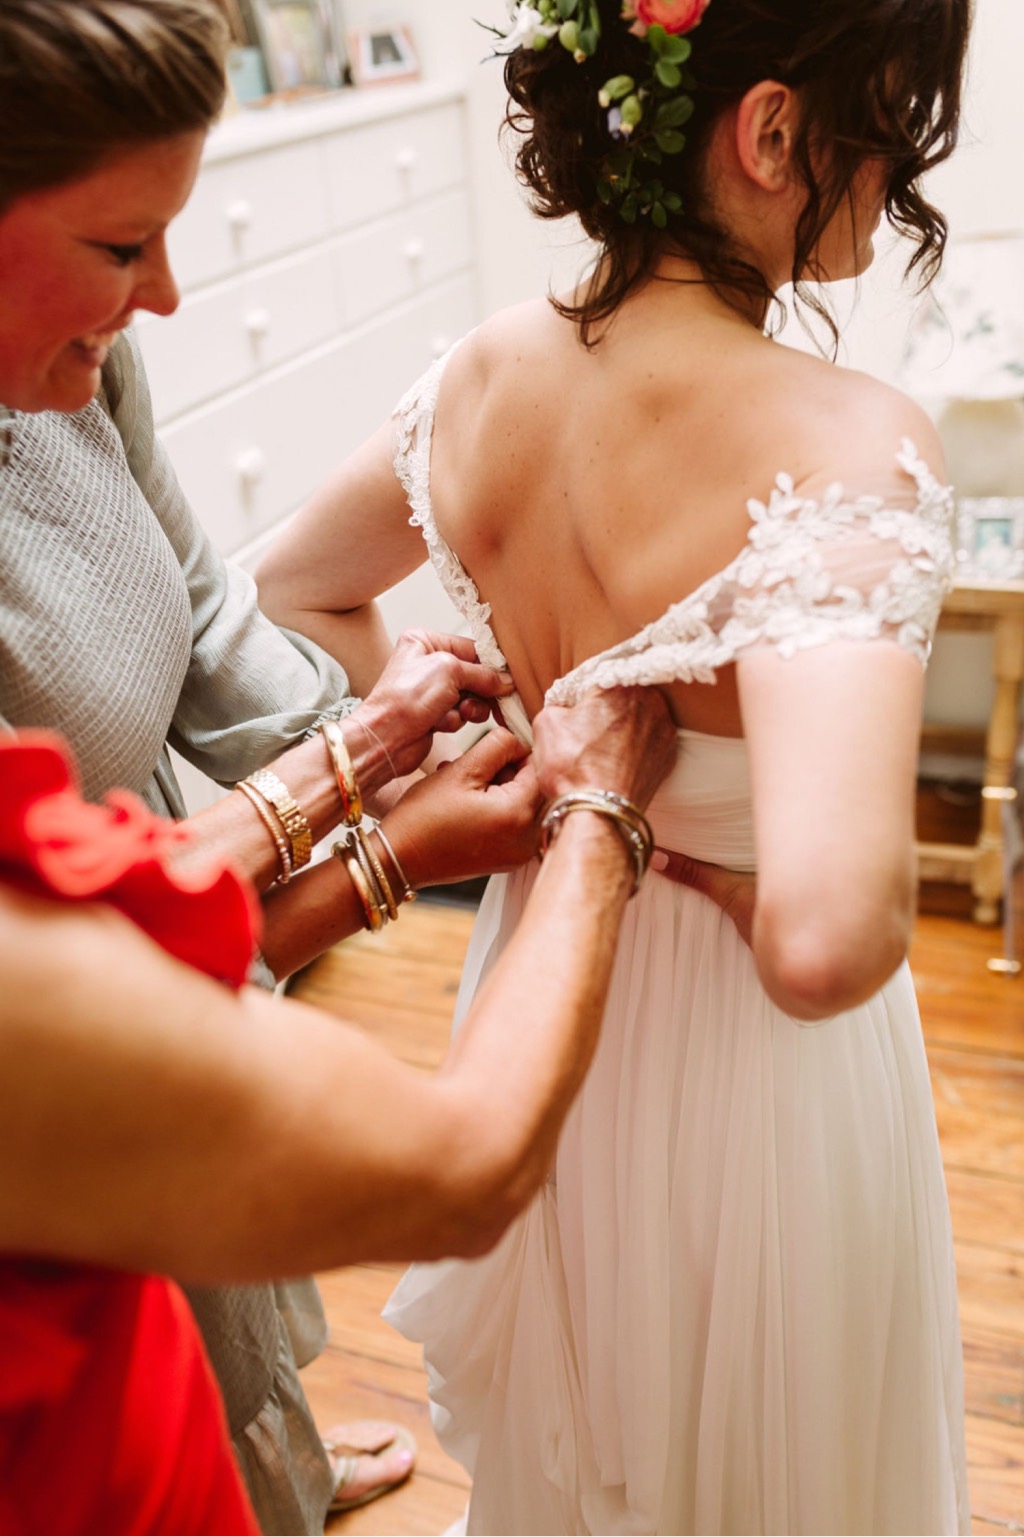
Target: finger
{"x":494,"y":752}
{"x":474,"y":678}
{"x":680,"y":868}
{"x":449,"y":722}
{"x":474,"y":711}
{"x":435,"y":640}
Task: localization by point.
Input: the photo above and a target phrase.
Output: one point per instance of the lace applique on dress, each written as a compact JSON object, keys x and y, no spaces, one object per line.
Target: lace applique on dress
{"x":842,"y":568}
{"x":414,"y":418}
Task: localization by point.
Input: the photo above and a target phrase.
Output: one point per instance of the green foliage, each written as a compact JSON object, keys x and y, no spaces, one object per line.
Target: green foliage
{"x":646,"y":113}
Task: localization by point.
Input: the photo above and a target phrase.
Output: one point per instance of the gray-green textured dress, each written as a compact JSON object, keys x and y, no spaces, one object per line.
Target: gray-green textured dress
{"x":123,"y":629}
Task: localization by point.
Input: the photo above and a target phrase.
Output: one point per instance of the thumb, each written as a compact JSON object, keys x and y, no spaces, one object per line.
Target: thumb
{"x":493,"y":752}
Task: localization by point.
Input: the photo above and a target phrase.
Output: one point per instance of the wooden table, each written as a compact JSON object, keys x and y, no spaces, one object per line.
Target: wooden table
{"x":998,"y":607}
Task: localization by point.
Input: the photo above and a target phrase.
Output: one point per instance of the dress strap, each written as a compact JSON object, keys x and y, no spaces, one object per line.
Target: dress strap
{"x":414,"y":421}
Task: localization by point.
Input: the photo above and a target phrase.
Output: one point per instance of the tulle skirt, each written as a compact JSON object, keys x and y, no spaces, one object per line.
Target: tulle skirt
{"x":732,"y":1308}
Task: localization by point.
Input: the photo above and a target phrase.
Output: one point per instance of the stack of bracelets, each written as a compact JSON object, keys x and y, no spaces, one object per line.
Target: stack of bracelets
{"x":293,"y":838}
{"x":628,"y":820}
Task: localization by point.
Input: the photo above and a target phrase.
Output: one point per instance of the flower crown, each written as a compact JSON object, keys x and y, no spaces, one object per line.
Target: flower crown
{"x":646,"y":113}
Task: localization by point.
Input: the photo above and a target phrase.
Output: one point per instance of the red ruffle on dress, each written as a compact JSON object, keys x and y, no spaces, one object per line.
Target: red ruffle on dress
{"x":110,"y":1416}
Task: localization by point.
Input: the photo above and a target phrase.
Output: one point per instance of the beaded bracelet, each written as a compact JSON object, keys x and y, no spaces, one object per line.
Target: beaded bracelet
{"x":630,"y":823}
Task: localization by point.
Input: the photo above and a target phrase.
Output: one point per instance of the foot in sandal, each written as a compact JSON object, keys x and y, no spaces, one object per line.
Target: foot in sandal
{"x":370,"y":1458}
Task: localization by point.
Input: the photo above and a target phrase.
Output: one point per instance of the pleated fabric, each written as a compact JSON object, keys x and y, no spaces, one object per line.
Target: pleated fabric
{"x":732,"y":1308}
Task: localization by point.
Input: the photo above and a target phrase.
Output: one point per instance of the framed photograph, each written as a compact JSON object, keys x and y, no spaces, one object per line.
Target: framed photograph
{"x":991,"y":537}
{"x":301,"y":43}
{"x":380,"y":54}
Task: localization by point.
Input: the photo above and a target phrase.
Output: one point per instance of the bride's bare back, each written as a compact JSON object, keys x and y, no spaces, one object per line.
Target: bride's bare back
{"x":587,"y":491}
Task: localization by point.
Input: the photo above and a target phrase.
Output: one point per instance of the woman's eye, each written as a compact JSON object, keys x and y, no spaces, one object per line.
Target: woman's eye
{"x":124,"y":255}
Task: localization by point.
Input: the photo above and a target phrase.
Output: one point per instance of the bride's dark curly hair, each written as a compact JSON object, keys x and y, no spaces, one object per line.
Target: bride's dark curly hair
{"x":876,"y":79}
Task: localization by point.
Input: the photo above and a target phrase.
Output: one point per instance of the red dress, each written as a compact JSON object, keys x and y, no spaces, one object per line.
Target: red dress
{"x":110,"y":1416}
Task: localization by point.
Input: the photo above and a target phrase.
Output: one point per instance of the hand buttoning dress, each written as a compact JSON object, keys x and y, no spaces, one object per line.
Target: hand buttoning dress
{"x":732,"y":1307}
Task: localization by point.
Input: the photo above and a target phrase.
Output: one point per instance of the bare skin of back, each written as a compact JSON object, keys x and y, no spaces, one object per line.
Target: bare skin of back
{"x":587,"y":491}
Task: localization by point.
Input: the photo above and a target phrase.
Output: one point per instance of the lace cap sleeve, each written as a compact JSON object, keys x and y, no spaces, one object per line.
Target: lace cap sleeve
{"x":842,"y":567}
{"x":414,"y":424}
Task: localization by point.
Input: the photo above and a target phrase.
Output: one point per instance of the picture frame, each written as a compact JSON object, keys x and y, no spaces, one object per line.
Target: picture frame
{"x":991,"y":537}
{"x":301,"y":43}
{"x":381,"y":54}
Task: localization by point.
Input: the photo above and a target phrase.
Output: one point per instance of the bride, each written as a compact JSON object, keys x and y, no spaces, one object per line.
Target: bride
{"x":732,"y":1308}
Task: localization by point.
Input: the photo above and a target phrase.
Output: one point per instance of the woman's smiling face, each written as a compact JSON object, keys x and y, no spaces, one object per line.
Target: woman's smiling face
{"x":77,"y":260}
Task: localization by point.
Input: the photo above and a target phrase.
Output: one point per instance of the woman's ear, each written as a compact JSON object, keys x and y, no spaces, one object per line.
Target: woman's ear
{"x":766,"y":123}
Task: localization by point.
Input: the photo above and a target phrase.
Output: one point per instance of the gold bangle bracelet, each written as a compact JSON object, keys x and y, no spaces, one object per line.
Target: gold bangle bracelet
{"x":267,"y":817}
{"x":292,"y":818}
{"x":344,"y":773}
{"x":383,"y":884}
{"x":358,"y":851}
{"x":408,"y":893}
{"x":373,"y":913}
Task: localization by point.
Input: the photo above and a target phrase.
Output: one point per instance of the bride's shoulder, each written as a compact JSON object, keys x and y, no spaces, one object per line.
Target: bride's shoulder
{"x":510,"y":345}
{"x":842,"y":425}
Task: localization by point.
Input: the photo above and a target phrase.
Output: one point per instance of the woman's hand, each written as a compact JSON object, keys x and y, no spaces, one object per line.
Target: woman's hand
{"x":473,"y":816}
{"x":620,"y":739}
{"x":430,"y":683}
{"x":732,"y":890}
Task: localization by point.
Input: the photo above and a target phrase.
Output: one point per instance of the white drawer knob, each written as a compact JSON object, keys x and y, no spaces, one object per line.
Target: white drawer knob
{"x":257,"y":323}
{"x":239,"y":214}
{"x":440,"y":345}
{"x":414,"y":250}
{"x":250,"y":465}
{"x":406,"y":158}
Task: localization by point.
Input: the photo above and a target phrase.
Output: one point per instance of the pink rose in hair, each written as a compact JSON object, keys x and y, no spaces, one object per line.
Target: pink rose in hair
{"x":674,"y":15}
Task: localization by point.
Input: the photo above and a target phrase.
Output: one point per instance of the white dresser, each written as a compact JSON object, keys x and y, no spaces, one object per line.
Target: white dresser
{"x":325,"y":258}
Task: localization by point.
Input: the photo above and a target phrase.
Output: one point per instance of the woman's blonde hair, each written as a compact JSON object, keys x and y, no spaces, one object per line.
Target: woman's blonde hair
{"x":83,"y":79}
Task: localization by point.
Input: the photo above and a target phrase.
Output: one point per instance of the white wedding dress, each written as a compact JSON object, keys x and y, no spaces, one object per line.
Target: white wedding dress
{"x":732,"y":1307}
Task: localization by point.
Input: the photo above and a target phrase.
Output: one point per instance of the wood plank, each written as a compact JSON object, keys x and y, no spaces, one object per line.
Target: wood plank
{"x":353,"y":1300}
{"x":994,"y":1375}
{"x":990,"y":1284}
{"x":995,"y":1455}
{"x":987,"y":1208}
{"x":979,"y":1107}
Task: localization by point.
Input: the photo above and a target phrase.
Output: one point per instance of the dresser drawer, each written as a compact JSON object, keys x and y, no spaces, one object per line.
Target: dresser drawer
{"x":380,"y":168}
{"x":247,"y":460}
{"x":225,"y":335}
{"x":397,"y":257}
{"x":248,"y":210}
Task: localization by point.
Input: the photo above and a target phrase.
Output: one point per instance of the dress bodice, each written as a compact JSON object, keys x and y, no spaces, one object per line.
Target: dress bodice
{"x":848,"y":565}
{"x":704,"y":806}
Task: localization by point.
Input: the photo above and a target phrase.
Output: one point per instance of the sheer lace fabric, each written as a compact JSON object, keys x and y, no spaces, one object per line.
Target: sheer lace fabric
{"x":732,"y":1307}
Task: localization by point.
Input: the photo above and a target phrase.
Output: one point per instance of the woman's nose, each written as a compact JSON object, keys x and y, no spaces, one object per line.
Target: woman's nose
{"x":157,"y":290}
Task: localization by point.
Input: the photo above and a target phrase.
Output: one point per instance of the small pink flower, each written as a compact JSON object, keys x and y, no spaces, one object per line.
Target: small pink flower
{"x":674,"y":15}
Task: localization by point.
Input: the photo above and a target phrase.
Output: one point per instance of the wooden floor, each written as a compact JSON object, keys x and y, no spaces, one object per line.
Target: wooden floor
{"x":401,"y":987}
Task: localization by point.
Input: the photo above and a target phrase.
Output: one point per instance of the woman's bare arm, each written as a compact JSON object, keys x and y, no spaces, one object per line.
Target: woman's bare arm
{"x":349,"y":543}
{"x":151,"y":1119}
{"x":833,"y":735}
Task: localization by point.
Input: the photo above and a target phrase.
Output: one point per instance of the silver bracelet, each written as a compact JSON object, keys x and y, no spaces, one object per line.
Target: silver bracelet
{"x":632,"y":826}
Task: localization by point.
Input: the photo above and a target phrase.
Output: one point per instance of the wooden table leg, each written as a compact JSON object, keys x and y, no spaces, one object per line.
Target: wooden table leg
{"x":1000,"y":749}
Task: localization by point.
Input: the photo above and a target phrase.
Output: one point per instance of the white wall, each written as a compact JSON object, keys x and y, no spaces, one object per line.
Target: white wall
{"x":981,"y":188}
